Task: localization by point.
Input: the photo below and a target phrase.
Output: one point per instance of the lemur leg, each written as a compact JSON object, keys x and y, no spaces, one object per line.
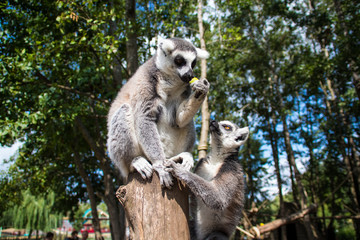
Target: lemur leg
{"x":122,"y":144}
{"x":149,"y":139}
{"x":215,"y":194}
{"x":189,"y":107}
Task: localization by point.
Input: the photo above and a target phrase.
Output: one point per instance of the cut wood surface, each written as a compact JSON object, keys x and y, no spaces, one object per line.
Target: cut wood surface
{"x":154,"y":212}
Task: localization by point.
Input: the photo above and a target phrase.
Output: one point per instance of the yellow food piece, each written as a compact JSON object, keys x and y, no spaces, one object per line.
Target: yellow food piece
{"x":193,"y":80}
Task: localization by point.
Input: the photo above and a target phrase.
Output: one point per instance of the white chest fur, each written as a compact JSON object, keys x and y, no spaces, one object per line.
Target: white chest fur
{"x":174,"y":139}
{"x":209,"y":169}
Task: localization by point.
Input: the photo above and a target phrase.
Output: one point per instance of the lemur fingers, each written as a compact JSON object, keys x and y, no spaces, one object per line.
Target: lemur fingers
{"x":200,"y":87}
{"x":142,"y":166}
{"x":170,"y":164}
{"x":166,"y":179}
{"x":175,"y":169}
{"x":185,"y":159}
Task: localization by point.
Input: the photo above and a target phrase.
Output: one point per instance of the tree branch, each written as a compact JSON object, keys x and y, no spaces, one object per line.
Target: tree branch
{"x":69,"y":89}
{"x":100,"y":155}
{"x":97,"y":151}
{"x":285,"y":220}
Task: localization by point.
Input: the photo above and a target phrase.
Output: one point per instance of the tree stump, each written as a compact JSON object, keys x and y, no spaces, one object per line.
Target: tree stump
{"x":154,"y":212}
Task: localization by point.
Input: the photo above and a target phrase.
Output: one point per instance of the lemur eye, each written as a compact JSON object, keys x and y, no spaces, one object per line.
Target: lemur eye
{"x":227,"y":127}
{"x":193,"y":64}
{"x":179,"y":61}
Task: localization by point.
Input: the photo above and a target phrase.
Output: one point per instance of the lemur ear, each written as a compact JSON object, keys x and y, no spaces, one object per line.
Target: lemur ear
{"x":166,"y":46}
{"x":202,"y":54}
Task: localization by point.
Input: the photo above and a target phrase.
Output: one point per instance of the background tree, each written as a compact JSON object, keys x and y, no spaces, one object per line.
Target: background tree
{"x":34,"y":213}
{"x":288,"y":69}
{"x":205,"y":114}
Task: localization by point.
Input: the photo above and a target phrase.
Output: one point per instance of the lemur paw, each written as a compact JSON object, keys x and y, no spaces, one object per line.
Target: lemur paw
{"x":200,"y":87}
{"x":185,"y":159}
{"x":175,"y":168}
{"x":166,"y":180}
{"x":142,"y":166}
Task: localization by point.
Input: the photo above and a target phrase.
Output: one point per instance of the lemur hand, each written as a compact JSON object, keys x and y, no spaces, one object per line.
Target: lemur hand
{"x":200,"y":87}
{"x":165,"y":177}
{"x":185,"y":159}
{"x":175,"y":168}
{"x":142,"y":166}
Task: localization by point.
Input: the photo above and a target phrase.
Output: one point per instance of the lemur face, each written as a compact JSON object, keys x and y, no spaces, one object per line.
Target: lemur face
{"x":184,"y":63}
{"x":178,"y":57}
{"x":228,"y":135}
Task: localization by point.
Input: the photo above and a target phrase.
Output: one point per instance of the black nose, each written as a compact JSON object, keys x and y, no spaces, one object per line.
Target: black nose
{"x":214,"y":126}
{"x":188,"y":76}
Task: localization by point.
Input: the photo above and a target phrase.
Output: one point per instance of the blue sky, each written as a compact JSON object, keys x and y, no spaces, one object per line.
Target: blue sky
{"x":6,"y":153}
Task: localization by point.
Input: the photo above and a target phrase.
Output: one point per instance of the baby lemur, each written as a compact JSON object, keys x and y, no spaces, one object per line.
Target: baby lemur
{"x":151,"y":118}
{"x":217,"y":184}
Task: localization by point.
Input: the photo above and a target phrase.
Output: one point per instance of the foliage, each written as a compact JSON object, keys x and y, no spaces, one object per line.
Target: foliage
{"x":281,"y":67}
{"x":35,"y":213}
{"x":78,"y":216}
{"x":252,"y":160}
{"x":345,"y":230}
{"x":10,"y":191}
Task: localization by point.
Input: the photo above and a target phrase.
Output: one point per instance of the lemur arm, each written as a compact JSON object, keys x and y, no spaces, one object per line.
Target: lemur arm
{"x":149,"y":139}
{"x":191,"y":105}
{"x":147,"y":133}
{"x":216,"y":194}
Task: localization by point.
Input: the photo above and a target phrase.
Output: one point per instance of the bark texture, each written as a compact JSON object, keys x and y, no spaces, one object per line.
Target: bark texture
{"x":131,"y":34}
{"x":205,"y":114}
{"x":153,"y":212}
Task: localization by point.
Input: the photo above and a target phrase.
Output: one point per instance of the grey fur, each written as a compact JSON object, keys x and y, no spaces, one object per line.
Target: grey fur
{"x":217,"y":184}
{"x":151,"y":118}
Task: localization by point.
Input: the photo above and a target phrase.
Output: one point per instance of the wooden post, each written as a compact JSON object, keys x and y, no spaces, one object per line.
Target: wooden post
{"x":154,"y":212}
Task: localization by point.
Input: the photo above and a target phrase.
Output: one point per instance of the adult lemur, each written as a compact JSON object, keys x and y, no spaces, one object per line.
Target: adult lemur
{"x":151,"y":118}
{"x":218,"y":184}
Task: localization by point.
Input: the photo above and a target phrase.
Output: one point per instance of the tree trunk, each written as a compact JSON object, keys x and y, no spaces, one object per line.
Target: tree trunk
{"x":205,"y":114}
{"x":131,"y":43}
{"x":116,"y":214}
{"x":30,"y":232}
{"x":116,"y":65}
{"x":334,"y":108}
{"x":154,"y":212}
{"x":310,"y":229}
{"x":314,"y":164}
{"x":274,"y":146}
{"x":275,"y":81}
{"x":275,"y":153}
{"x":177,"y":18}
{"x":91,"y":192}
{"x":351,"y":61}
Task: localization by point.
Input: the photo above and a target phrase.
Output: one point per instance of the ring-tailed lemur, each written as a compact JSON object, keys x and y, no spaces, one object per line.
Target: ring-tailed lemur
{"x":217,"y":184}
{"x":151,"y":118}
